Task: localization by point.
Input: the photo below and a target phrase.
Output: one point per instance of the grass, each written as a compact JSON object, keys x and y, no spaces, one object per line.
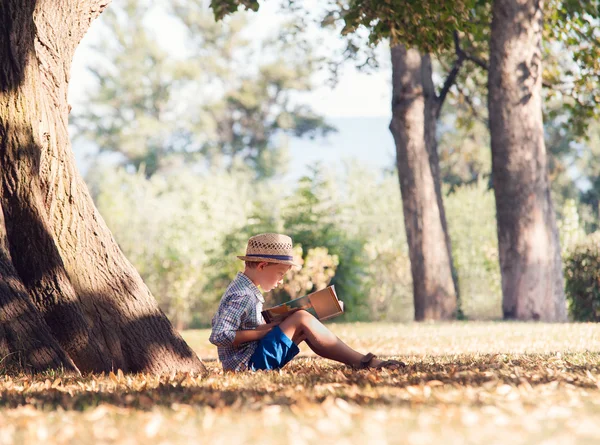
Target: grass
{"x":516,"y":383}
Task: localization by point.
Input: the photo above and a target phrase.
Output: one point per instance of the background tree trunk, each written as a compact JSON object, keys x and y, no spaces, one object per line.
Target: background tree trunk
{"x":414,"y":107}
{"x":91,"y":298}
{"x":530,"y":262}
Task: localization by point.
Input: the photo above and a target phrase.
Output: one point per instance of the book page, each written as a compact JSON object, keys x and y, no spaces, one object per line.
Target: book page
{"x":325,"y":303}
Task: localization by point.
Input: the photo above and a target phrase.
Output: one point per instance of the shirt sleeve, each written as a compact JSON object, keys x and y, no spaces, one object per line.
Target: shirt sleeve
{"x":228,"y":320}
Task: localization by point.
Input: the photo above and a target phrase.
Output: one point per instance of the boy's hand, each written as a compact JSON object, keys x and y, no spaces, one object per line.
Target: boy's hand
{"x":268,"y":326}
{"x":253,"y":334}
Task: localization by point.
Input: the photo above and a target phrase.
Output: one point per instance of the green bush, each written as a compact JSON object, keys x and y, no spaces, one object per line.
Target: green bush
{"x":582,"y":279}
{"x":570,"y":228}
{"x":312,"y":217}
{"x":183,"y":232}
{"x":373,"y":213}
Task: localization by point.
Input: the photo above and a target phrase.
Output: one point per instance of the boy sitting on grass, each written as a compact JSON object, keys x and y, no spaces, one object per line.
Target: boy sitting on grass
{"x":243,"y":339}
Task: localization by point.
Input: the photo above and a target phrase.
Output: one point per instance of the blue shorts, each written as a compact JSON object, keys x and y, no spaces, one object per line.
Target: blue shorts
{"x":274,"y":350}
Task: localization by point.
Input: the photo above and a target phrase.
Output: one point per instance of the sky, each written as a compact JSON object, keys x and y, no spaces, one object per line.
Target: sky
{"x":358,"y":106}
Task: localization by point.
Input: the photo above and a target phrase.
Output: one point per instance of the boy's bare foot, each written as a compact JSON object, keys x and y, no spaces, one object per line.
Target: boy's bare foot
{"x":371,"y":361}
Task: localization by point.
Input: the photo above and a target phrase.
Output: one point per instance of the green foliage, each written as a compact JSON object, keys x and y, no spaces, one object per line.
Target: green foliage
{"x":471,"y":215}
{"x":426,"y":25}
{"x":132,"y":112}
{"x":356,"y":217}
{"x":582,"y":279}
{"x":318,"y":268}
{"x":373,"y":213}
{"x":172,"y":229}
{"x":572,"y":27}
{"x":464,"y":149}
{"x":570,"y":228}
{"x":183,"y":233}
{"x":589,"y":169}
{"x":221,"y":8}
{"x":256,"y":109}
{"x":208,"y":104}
{"x":310,"y":218}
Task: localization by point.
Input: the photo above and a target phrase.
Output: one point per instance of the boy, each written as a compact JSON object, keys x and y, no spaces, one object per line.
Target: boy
{"x":243,"y":339}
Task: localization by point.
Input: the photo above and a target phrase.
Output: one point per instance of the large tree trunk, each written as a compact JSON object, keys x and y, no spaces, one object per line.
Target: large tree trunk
{"x":414,"y":108}
{"x":532,"y":277}
{"x":25,"y":339}
{"x":70,"y":268}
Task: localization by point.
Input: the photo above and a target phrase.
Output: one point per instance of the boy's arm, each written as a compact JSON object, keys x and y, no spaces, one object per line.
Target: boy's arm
{"x":253,"y":334}
{"x":260,"y":331}
{"x":228,"y":320}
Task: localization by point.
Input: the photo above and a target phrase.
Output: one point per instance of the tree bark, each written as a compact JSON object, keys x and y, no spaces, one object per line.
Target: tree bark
{"x":25,"y":339}
{"x":414,"y":109}
{"x":528,"y":243}
{"x":91,"y":298}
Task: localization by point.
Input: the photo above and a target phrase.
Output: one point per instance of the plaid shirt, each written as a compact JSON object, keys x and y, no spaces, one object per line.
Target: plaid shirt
{"x":240,"y":309}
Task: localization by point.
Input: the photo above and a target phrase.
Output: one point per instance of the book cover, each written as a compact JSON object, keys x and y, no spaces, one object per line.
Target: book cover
{"x":323,"y":304}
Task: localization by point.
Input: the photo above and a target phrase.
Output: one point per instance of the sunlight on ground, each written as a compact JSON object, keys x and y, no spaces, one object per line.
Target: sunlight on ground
{"x":466,"y":383}
{"x":423,"y":339}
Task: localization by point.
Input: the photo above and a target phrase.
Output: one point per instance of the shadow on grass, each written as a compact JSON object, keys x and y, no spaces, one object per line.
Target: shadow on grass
{"x":306,"y":381}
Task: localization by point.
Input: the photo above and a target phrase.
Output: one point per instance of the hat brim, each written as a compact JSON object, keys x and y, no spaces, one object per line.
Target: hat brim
{"x":257,"y":259}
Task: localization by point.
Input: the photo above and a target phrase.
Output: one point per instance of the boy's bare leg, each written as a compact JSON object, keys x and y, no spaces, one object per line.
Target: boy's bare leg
{"x":303,"y":326}
{"x":299,"y":337}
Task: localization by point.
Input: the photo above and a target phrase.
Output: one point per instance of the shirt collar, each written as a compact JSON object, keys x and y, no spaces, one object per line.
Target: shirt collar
{"x":251,"y":286}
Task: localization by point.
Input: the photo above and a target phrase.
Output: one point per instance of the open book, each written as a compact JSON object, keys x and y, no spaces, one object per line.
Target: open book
{"x":323,"y":304}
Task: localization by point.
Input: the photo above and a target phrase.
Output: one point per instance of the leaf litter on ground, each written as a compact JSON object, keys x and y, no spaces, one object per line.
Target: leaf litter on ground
{"x":464,"y":383}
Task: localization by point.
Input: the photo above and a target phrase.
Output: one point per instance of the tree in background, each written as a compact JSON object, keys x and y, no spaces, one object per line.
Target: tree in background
{"x":416,"y":108}
{"x":581,"y":33}
{"x":431,"y":26}
{"x":416,"y":29}
{"x":569,"y":83}
{"x":528,"y":241}
{"x":248,"y":121}
{"x":211,"y":105}
{"x":70,"y":299}
{"x":570,"y":80}
{"x":133,"y":110}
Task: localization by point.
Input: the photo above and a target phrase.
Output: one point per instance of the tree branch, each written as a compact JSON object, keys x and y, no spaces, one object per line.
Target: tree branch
{"x":451,"y":79}
{"x":461,"y":56}
{"x":462,"y":53}
{"x":476,"y":60}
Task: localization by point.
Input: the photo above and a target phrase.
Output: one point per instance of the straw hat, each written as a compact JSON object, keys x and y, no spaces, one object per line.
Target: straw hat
{"x":270,"y":248}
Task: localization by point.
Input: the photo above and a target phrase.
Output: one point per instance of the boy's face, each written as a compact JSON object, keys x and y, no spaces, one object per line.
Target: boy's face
{"x":270,"y":275}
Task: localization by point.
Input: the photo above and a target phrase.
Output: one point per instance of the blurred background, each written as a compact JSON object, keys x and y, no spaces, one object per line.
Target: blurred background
{"x":194,"y":135}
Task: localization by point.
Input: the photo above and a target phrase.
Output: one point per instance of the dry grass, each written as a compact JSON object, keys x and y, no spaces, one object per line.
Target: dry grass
{"x":465,"y":383}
